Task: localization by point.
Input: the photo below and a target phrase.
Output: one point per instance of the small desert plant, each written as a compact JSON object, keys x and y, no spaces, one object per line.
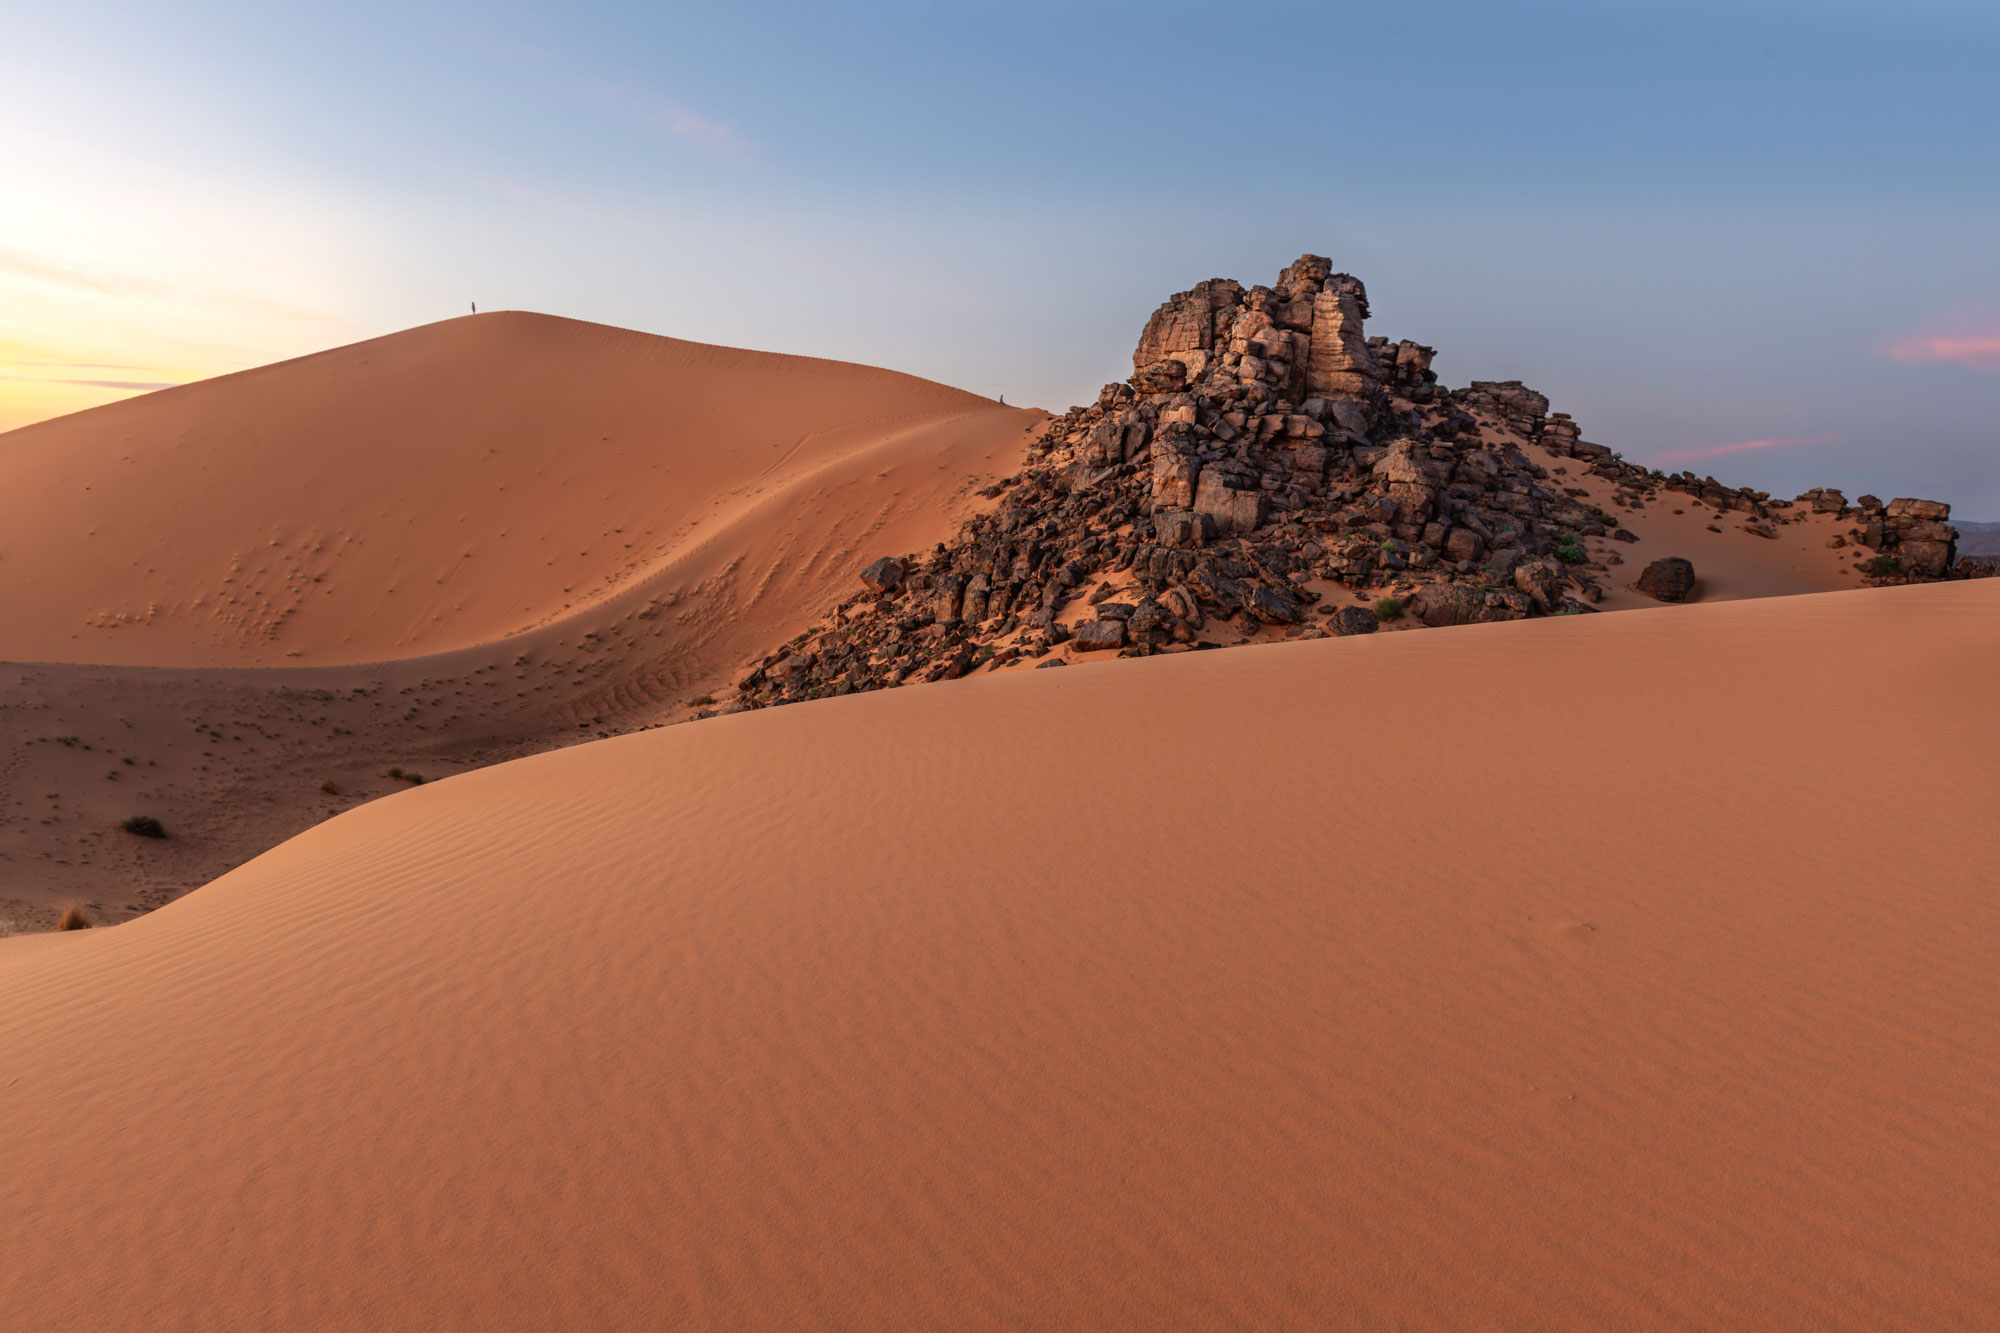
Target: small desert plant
{"x":701,"y":701}
{"x":330,"y":787}
{"x":404,"y":775}
{"x":144,"y":826}
{"x":1884,"y":566}
{"x":1570,"y":551}
{"x":1389,"y":608}
{"x":73,"y":918}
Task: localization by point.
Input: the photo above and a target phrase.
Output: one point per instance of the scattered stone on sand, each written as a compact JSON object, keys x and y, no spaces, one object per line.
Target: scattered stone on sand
{"x":1668,"y":579}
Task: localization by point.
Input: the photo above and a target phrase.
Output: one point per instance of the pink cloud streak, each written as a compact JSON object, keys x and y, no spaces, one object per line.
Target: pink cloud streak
{"x":1979,"y":351}
{"x":1701,"y":454}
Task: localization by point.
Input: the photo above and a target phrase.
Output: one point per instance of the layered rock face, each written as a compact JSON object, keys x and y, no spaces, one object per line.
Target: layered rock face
{"x":1264,"y":452}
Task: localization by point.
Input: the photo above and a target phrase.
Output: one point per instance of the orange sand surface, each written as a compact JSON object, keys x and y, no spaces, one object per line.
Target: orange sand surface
{"x":1596,"y":972}
{"x":1731,"y":563}
{"x":583,"y":528}
{"x":447,"y":486}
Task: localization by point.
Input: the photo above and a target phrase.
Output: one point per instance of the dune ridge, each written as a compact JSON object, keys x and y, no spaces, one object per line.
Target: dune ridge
{"x":1603,"y":971}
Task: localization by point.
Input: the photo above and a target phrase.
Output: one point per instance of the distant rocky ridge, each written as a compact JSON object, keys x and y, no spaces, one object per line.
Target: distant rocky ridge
{"x":1263,"y":444}
{"x":1979,"y":542}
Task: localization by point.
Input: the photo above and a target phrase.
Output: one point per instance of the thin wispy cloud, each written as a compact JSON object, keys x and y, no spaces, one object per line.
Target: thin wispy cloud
{"x":1702,"y":453}
{"x":141,"y":386}
{"x":15,"y":264}
{"x":77,"y":365}
{"x":26,"y":266}
{"x":1976,"y":351}
{"x":663,"y":116}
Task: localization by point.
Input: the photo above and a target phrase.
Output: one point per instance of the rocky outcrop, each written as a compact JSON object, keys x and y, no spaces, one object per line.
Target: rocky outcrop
{"x":1271,"y":468}
{"x":1184,"y":329}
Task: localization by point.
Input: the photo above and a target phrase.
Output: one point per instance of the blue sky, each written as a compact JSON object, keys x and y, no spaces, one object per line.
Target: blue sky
{"x":1695,"y":226}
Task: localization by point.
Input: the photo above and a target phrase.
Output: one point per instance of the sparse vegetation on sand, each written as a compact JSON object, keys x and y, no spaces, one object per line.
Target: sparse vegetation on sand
{"x":144,"y":826}
{"x":1884,"y":567}
{"x":74,"y":918}
{"x":1389,"y":608}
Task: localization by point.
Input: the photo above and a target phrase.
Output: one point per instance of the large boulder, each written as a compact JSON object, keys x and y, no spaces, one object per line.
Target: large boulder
{"x":1463,"y":544}
{"x":1353,"y":620}
{"x":1165,"y":375}
{"x":1670,"y":579}
{"x":1542,"y":581}
{"x":1181,"y":529}
{"x":1440,"y":604}
{"x":950,"y":600}
{"x":886,"y":574}
{"x":1341,"y":364}
{"x":1176,"y":467}
{"x":1183,"y":328}
{"x":1098,"y":635}
{"x":1230,"y":509}
{"x":1273,"y":608}
{"x":1921,"y":510}
{"x":1928,"y":558}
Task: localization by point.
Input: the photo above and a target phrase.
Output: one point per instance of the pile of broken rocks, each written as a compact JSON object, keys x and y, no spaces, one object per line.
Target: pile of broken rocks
{"x":1266,"y":460}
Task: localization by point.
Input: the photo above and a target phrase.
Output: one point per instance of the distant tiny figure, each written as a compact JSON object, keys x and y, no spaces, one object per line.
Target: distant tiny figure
{"x":475,"y":307}
{"x":1003,"y":400}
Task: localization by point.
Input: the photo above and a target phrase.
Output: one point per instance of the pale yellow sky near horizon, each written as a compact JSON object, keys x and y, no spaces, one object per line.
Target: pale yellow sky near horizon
{"x":117,"y":272}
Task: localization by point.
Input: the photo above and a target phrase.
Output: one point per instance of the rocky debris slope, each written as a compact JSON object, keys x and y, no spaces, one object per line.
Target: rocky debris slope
{"x":1266,"y":459}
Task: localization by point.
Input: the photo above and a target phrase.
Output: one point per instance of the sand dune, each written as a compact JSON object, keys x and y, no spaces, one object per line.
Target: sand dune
{"x":438,"y":488}
{"x":1612,"y":971}
{"x":550,"y":530}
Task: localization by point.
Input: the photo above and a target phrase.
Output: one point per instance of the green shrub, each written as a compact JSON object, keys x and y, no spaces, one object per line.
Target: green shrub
{"x":1884,"y":566}
{"x":1389,"y":608}
{"x":1570,"y":551}
{"x":144,"y":826}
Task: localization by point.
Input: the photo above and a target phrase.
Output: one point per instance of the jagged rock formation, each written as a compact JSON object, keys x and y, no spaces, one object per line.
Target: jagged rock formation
{"x":1264,"y":450}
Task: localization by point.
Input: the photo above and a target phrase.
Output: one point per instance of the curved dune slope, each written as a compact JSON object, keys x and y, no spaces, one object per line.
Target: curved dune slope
{"x":437,"y":488}
{"x":1614,"y":971}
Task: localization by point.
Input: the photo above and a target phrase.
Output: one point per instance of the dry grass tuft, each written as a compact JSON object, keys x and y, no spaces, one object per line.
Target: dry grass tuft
{"x":74,"y":918}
